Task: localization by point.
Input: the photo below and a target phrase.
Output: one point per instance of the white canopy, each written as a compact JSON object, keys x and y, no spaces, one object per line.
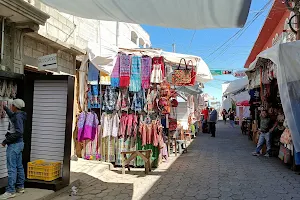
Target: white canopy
{"x":241,"y":97}
{"x":286,"y":57}
{"x":188,"y":14}
{"x":103,"y":58}
{"x":236,"y":85}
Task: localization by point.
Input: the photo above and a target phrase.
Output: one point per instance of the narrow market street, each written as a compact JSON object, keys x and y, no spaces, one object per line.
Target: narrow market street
{"x":213,"y":168}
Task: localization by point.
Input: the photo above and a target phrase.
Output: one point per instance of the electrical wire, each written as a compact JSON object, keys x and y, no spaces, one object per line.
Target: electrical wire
{"x":239,"y":33}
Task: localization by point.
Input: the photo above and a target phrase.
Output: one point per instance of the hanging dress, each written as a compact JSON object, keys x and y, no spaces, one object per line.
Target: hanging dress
{"x":146,"y":71}
{"x":110,"y":99}
{"x":124,"y":70}
{"x":115,"y":75}
{"x":156,"y":74}
{"x":135,"y":78}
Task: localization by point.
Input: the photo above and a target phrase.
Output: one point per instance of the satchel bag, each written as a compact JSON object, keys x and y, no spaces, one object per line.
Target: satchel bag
{"x":182,"y":76}
{"x":193,"y":74}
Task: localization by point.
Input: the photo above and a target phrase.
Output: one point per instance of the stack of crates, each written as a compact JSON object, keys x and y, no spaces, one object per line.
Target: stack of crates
{"x":45,"y":171}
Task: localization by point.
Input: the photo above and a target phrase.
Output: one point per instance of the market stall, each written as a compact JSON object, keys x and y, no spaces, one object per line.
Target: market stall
{"x":278,"y":89}
{"x":130,"y":103}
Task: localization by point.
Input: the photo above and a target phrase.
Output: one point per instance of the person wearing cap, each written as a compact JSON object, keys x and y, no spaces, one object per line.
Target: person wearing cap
{"x":15,"y":145}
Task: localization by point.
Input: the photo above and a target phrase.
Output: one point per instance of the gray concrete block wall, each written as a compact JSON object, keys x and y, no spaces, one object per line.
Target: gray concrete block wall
{"x":33,"y":49}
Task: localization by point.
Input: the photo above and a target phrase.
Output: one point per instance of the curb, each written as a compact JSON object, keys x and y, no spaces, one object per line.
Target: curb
{"x":75,"y":183}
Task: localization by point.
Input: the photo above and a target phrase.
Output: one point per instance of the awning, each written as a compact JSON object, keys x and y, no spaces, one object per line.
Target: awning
{"x":236,"y":85}
{"x":188,"y":14}
{"x":191,"y":90}
{"x":242,"y":98}
{"x":103,"y":57}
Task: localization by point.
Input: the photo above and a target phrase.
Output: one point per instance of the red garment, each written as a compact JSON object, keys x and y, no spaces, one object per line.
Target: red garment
{"x":135,"y":124}
{"x":159,"y":60}
{"x":205,"y":113}
{"x":149,"y":133}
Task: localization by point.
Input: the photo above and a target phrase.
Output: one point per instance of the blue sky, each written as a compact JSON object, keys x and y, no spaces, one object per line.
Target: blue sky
{"x":231,"y":56}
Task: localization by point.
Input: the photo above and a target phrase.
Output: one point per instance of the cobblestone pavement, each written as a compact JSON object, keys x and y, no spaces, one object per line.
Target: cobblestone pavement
{"x":213,"y":168}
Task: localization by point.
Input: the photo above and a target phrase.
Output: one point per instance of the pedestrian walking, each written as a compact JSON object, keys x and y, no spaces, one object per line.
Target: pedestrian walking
{"x":213,"y":117}
{"x":224,"y":115}
{"x":231,"y":117}
{"x":205,"y":113}
{"x":264,"y":134}
{"x":15,"y":145}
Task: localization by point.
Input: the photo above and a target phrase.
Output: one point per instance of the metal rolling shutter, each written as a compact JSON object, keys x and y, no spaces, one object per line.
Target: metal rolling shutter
{"x":3,"y":130}
{"x":49,"y":120}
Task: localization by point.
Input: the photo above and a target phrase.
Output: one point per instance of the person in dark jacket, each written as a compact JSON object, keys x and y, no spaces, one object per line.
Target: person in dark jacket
{"x":15,"y":145}
{"x":213,"y":118}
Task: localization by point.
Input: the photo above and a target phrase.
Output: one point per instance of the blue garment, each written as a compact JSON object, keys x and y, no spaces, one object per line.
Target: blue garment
{"x":16,"y":126}
{"x":297,"y":158}
{"x":94,"y":97}
{"x":93,"y":75}
{"x":16,"y":175}
{"x":213,"y":116}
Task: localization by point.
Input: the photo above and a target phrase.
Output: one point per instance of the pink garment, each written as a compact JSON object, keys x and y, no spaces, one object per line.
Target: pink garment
{"x":123,"y":124}
{"x":155,"y":133}
{"x":90,"y":126}
{"x":143,"y":132}
{"x":135,"y":124}
{"x":146,"y":71}
{"x":129,"y":124}
{"x":149,"y":133}
{"x":80,"y":125}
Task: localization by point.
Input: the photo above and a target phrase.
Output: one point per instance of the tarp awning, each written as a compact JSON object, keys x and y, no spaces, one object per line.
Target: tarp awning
{"x":188,"y":14}
{"x":236,"y":86}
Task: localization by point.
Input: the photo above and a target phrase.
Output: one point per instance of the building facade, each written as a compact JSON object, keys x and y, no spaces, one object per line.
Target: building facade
{"x":275,"y":30}
{"x":33,"y":29}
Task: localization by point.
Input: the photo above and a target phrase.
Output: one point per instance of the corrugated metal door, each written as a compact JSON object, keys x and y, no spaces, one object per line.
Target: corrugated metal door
{"x":49,"y":120}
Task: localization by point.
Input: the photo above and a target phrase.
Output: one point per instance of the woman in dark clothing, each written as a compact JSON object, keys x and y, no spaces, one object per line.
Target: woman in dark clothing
{"x":224,"y":115}
{"x":231,"y":117}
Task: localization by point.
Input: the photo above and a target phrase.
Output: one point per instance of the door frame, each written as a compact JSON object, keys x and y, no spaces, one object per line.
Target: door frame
{"x":28,"y":98}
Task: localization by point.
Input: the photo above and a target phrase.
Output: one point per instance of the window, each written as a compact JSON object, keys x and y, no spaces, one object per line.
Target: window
{"x":134,"y":37}
{"x":141,"y":43}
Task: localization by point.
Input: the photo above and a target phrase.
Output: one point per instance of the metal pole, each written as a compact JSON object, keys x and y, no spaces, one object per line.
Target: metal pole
{"x":2,"y":38}
{"x":174,"y":47}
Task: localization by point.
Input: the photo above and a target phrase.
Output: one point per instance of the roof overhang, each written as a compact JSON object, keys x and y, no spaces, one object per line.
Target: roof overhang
{"x":21,"y":12}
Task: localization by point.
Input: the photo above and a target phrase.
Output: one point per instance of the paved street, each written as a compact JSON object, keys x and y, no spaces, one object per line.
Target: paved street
{"x":213,"y":168}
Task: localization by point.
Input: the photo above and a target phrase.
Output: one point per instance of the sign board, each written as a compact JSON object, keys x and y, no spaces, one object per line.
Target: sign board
{"x":47,"y":62}
{"x":220,"y":72}
{"x":216,"y":72}
{"x":239,"y":74}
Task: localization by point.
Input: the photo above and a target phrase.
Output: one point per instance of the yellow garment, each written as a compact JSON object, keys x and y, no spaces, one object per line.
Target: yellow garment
{"x":193,"y":129}
{"x":104,"y":79}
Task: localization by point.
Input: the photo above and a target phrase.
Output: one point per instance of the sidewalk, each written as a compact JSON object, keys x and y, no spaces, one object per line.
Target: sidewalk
{"x":79,"y":169}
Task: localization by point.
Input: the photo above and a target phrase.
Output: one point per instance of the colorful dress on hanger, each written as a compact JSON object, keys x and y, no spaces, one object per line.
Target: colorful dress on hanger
{"x":146,"y":71}
{"x":135,"y":78}
{"x":124,"y":70}
{"x":110,"y":99}
{"x":138,"y":101}
{"x":115,"y":75}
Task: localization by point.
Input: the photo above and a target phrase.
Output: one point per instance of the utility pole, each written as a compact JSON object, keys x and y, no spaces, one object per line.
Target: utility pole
{"x":174,"y":47}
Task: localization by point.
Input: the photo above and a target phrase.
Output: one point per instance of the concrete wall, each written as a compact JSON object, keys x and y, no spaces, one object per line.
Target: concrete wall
{"x":32,"y":49}
{"x":78,"y":31}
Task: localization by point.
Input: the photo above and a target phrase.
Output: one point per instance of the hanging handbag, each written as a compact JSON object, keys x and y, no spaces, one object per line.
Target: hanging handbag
{"x":193,"y":73}
{"x":172,"y":124}
{"x":182,"y":76}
